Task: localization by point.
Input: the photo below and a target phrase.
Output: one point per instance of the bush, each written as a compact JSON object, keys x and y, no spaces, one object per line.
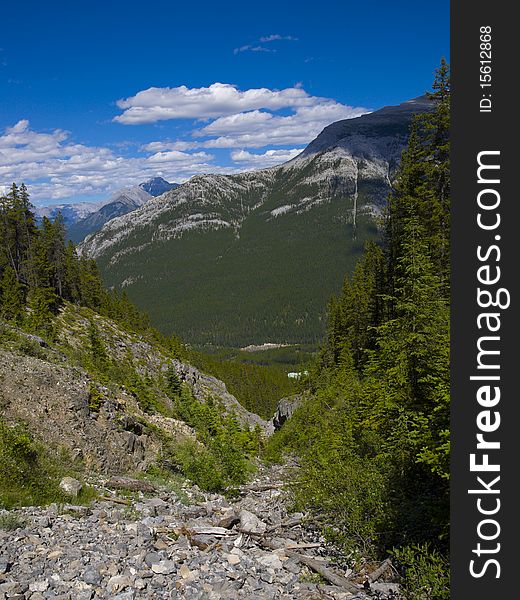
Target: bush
{"x":29,"y":477}
{"x":95,"y":398}
{"x":220,"y":458}
{"x":30,"y":347}
{"x":425,"y":572}
{"x":200,"y":466}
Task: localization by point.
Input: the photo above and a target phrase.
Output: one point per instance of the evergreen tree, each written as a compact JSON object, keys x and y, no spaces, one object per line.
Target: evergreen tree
{"x":12,"y":303}
{"x":42,"y":304}
{"x":374,"y":437}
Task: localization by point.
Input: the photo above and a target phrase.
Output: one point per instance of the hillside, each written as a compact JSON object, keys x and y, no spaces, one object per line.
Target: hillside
{"x":254,"y":257}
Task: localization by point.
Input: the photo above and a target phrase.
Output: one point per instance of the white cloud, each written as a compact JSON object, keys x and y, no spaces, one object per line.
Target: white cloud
{"x":164,"y":145}
{"x":251,"y":48}
{"x":56,"y":168}
{"x":274,"y":37}
{"x":217,"y":100}
{"x":256,"y":129}
{"x":179,"y":157}
{"x":270,"y":158}
{"x":240,"y":119}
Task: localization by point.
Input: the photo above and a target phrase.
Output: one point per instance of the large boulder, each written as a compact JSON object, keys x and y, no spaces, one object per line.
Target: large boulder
{"x":70,"y":486}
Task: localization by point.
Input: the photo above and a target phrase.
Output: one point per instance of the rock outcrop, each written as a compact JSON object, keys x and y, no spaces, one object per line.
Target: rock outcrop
{"x":105,"y":428}
{"x":285,"y":410}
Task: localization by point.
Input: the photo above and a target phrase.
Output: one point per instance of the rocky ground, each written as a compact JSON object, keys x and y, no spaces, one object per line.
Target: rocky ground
{"x":159,"y":544}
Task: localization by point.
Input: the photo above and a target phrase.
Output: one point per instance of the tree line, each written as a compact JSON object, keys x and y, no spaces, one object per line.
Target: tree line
{"x":40,"y":269}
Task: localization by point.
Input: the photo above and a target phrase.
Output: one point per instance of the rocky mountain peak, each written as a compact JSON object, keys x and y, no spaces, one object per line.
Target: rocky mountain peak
{"x":157,"y":186}
{"x":389,"y":121}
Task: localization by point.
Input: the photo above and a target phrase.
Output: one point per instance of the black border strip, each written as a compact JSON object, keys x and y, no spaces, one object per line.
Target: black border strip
{"x":473,"y":132}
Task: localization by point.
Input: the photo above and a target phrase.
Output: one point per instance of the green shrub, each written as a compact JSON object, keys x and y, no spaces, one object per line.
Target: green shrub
{"x":200,"y":466}
{"x":30,"y":347}
{"x":425,"y":572}
{"x":95,"y":398}
{"x":29,"y":476}
{"x":221,"y":458}
{"x":173,"y":382}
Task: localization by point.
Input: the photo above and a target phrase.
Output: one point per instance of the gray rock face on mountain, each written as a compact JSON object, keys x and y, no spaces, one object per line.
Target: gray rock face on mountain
{"x":285,"y":410}
{"x":54,"y":402}
{"x":225,"y":242}
{"x":157,"y":186}
{"x":120,"y":203}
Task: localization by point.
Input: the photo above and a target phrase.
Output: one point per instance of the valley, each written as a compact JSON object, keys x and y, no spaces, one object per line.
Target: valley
{"x":152,"y":444}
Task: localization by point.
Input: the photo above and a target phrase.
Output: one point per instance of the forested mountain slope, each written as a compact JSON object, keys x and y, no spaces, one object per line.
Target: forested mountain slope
{"x":254,"y":257}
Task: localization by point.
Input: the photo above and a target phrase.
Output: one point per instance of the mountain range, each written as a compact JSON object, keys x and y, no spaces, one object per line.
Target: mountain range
{"x":254,"y":257}
{"x":83,"y":218}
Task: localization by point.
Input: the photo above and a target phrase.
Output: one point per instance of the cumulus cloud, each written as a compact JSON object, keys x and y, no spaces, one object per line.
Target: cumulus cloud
{"x":256,"y":129}
{"x":239,"y":119}
{"x":164,"y":145}
{"x":270,"y":158}
{"x":56,"y":168}
{"x":179,"y":157}
{"x":223,"y":117}
{"x":217,"y":100}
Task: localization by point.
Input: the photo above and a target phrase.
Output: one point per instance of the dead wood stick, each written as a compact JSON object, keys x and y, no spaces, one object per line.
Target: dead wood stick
{"x":212,"y":546}
{"x":116,"y":500}
{"x":316,"y":566}
{"x":375,"y":575}
{"x":324,"y":571}
{"x":289,"y":522}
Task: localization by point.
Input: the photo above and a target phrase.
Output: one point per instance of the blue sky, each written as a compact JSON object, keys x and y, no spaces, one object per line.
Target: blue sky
{"x":97,"y":95}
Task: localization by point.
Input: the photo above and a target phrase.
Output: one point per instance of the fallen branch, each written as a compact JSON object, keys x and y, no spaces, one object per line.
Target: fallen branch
{"x":375,"y":575}
{"x":212,"y":546}
{"x":289,"y":522}
{"x":324,"y":571}
{"x":116,"y":500}
{"x":183,"y":530}
{"x":315,"y":565}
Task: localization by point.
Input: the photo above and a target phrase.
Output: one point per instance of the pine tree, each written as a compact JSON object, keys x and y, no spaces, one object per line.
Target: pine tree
{"x":42,"y":304}
{"x":12,"y":302}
